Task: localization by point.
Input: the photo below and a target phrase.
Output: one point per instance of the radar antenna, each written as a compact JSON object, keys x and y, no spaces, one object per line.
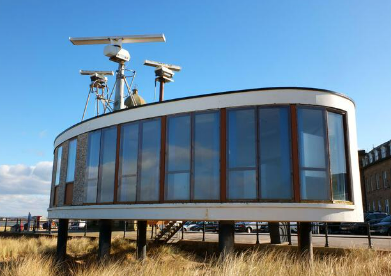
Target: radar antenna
{"x":117,"y":54}
{"x":99,"y":88}
{"x":163,"y":73}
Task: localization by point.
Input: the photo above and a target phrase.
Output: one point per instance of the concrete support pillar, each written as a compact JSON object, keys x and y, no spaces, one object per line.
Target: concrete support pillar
{"x":104,"y":238}
{"x":226,"y":237}
{"x":62,"y":239}
{"x":305,"y":240}
{"x":141,"y":239}
{"x":274,"y":230}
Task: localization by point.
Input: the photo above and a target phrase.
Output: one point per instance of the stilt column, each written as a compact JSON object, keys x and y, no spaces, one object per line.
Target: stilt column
{"x":226,"y":237}
{"x":141,"y":239}
{"x":305,"y":240}
{"x":104,"y":238}
{"x":274,"y":230}
{"x":62,"y":239}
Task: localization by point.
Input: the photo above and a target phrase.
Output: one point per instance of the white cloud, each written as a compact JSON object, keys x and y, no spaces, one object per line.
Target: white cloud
{"x":25,"y":189}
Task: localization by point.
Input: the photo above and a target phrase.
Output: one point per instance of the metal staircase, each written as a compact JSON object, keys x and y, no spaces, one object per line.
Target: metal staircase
{"x":168,"y":231}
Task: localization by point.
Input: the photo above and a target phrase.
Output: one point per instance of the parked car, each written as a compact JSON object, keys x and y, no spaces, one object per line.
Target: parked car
{"x":77,"y":225}
{"x":210,"y":226}
{"x":383,"y":227}
{"x":188,"y":225}
{"x":361,"y":227}
{"x":250,"y":227}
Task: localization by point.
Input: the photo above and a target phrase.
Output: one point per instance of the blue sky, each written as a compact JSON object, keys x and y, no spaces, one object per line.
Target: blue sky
{"x":343,"y":46}
{"x":339,"y":45}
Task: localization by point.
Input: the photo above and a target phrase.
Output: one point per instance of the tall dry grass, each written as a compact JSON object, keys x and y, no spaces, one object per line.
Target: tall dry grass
{"x":35,"y":256}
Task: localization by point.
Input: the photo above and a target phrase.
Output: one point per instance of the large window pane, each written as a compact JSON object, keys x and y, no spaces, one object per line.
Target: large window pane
{"x":178,"y":158}
{"x":108,"y":154}
{"x":127,"y":189}
{"x":71,"y":161}
{"x":92,"y":166}
{"x":91,"y":191}
{"x":242,"y":154}
{"x":206,"y":156}
{"x":58,"y":165}
{"x":337,"y":156}
{"x":241,"y":138}
{"x":93,"y":154}
{"x":177,"y":186}
{"x":150,"y":155}
{"x":178,"y":143}
{"x":242,"y":185}
{"x":275,"y":158}
{"x":128,"y":168}
{"x":314,"y":183}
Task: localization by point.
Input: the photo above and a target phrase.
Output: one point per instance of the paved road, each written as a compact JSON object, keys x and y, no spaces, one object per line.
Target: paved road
{"x":338,"y":241}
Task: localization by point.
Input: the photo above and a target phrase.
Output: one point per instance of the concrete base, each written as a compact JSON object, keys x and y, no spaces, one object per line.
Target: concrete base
{"x":305,"y":240}
{"x":226,"y":237}
{"x":104,"y":238}
{"x":62,"y":239}
{"x":141,"y":239}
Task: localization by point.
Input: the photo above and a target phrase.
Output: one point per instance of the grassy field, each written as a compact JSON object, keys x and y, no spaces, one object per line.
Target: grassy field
{"x":24,"y":256}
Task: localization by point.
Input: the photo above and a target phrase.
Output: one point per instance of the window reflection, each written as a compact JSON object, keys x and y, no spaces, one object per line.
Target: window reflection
{"x":275,"y":157}
{"x":71,"y":160}
{"x":108,"y":154}
{"x":337,"y":156}
{"x":128,"y":169}
{"x":92,"y":166}
{"x":206,"y":156}
{"x":314,"y":184}
{"x":150,"y":153}
{"x":178,"y":158}
{"x":58,"y":165}
{"x":241,"y":154}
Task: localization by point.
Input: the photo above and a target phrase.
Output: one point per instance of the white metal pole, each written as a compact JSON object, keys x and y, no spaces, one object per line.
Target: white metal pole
{"x":119,"y":89}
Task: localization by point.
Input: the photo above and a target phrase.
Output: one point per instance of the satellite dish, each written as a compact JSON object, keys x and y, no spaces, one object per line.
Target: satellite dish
{"x":117,"y":54}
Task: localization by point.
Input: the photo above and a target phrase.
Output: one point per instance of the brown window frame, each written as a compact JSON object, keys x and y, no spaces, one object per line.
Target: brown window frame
{"x":224,"y":162}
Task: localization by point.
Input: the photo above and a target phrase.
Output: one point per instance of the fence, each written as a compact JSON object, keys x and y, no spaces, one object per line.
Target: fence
{"x":287,"y":230}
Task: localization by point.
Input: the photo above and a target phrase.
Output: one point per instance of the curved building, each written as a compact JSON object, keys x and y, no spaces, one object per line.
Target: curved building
{"x":272,"y":154}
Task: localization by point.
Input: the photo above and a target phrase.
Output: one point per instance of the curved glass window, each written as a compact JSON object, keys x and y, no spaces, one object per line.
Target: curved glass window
{"x":127,"y":181}
{"x":107,"y":163}
{"x":206,"y":156}
{"x":178,"y":158}
{"x":241,"y":153}
{"x":259,"y":157}
{"x":149,"y":161}
{"x":314,"y":177}
{"x":58,"y":166}
{"x":275,"y":153}
{"x":90,"y":190}
{"x":337,"y":156}
{"x":71,"y":160}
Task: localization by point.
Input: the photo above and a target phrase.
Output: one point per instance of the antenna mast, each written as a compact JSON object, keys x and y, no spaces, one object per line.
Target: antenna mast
{"x":163,"y":73}
{"x":117,"y":54}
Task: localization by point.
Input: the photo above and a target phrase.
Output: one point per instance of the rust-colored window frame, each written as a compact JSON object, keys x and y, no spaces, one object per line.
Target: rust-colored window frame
{"x":327,"y":170}
{"x":223,"y":125}
{"x":349,"y":184}
{"x":259,"y":198}
{"x":57,"y":168}
{"x":68,"y":195}
{"x":347,"y":153}
{"x":192,"y":116}
{"x":86,"y":179}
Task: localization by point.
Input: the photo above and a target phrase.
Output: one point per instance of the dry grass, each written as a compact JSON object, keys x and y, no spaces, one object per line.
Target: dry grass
{"x":25,"y":256}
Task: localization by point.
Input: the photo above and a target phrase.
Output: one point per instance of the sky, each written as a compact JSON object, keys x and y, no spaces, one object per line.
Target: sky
{"x":344,"y":46}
